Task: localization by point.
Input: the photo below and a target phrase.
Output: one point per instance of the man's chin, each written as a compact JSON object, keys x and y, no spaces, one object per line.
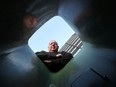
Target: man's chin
{"x":53,"y":50}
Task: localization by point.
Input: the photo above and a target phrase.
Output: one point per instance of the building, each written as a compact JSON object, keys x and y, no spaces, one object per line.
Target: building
{"x":73,"y":44}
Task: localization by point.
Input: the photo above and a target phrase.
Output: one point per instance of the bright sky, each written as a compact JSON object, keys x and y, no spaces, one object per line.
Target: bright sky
{"x":55,"y":29}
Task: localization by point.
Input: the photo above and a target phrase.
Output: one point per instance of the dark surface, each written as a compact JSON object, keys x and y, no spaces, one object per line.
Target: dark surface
{"x":92,"y":20}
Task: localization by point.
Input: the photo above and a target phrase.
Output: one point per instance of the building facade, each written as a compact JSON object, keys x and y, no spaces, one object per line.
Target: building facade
{"x":73,"y":44}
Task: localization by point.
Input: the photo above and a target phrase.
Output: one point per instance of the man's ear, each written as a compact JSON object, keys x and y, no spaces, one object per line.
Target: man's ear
{"x":48,"y":48}
{"x":58,"y":47}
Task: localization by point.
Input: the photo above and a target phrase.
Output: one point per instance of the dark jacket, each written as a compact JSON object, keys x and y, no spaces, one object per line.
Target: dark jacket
{"x":56,"y":63}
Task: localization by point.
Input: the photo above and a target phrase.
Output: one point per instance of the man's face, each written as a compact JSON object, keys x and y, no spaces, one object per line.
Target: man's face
{"x":53,"y":46}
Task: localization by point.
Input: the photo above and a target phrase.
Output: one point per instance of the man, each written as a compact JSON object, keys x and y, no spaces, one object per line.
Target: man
{"x":53,"y":59}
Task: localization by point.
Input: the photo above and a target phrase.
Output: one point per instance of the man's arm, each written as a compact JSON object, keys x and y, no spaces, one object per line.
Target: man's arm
{"x":67,"y":55}
{"x":43,"y":55}
{"x":62,"y":58}
{"x":55,"y":62}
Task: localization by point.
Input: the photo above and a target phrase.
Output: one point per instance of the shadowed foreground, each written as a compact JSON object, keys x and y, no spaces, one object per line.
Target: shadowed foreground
{"x":92,"y":20}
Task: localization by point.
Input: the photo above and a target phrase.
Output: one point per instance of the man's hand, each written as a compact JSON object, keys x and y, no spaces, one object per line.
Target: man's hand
{"x":59,"y":55}
{"x":47,"y":61}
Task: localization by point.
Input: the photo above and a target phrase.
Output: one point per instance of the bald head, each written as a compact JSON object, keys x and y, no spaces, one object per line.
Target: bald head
{"x":53,"y":46}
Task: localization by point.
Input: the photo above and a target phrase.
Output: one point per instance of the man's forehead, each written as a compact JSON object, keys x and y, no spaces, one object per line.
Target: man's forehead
{"x":53,"y":41}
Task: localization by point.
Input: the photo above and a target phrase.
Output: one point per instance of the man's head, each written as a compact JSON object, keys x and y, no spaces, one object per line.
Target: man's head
{"x":53,"y":46}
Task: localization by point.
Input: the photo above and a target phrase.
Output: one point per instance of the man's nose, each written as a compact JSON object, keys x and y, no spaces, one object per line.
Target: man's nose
{"x":53,"y":44}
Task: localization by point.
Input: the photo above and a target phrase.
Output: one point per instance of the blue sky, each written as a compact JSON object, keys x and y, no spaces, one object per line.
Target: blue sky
{"x":55,"y":29}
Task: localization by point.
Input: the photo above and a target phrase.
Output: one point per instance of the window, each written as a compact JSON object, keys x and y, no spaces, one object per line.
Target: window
{"x":55,"y":29}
